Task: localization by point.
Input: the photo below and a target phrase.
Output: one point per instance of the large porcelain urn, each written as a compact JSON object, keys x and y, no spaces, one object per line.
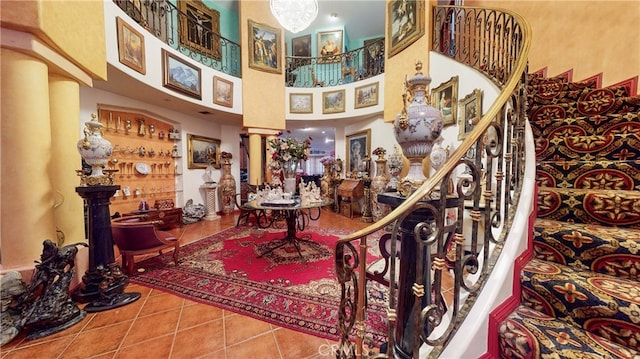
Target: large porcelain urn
{"x":417,"y":127}
{"x":94,"y":149}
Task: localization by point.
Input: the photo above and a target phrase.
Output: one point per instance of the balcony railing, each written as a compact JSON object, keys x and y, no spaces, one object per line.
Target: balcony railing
{"x":351,"y":66}
{"x":453,"y":225}
{"x":185,"y":34}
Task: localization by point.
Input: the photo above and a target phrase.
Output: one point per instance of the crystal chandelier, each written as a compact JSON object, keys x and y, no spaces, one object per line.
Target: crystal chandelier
{"x":294,"y":15}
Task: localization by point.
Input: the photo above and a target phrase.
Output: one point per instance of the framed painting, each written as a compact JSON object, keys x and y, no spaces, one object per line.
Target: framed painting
{"x":358,"y":148}
{"x":130,"y":46}
{"x":471,"y":106}
{"x":329,"y":46}
{"x":301,"y":103}
{"x":366,"y":95}
{"x":264,"y":47}
{"x":301,"y":50}
{"x":222,"y":92}
{"x":445,"y":98}
{"x":200,"y":28}
{"x":181,"y":76}
{"x":203,"y":151}
{"x":333,"y":101}
{"x":406,"y":23}
{"x":374,"y":55}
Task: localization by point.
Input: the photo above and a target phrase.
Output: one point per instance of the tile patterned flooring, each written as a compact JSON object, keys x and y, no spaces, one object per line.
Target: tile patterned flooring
{"x":161,"y":325}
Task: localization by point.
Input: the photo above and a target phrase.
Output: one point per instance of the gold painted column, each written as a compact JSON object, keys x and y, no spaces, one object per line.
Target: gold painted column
{"x":27,"y":213}
{"x":255,"y":159}
{"x":64,"y":100}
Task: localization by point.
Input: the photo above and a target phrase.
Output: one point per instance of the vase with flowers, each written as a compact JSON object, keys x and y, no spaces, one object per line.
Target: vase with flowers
{"x":289,"y":152}
{"x":227,"y":186}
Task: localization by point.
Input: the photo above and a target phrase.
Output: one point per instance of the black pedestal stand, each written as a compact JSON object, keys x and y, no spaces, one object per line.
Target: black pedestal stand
{"x":103,"y":283}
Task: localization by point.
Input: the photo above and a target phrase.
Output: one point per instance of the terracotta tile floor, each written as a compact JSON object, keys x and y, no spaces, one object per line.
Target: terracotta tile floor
{"x":161,"y":325}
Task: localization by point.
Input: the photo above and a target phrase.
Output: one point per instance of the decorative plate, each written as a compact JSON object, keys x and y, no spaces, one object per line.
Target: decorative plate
{"x":143,"y":168}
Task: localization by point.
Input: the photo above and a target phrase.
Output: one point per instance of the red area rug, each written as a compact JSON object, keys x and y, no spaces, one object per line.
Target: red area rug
{"x":224,"y":270}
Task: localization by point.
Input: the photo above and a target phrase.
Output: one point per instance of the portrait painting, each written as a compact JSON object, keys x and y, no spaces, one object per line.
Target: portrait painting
{"x":333,"y":101}
{"x":358,"y":149}
{"x":406,"y":23}
{"x":445,"y":98}
{"x":264,"y":47}
{"x":471,"y":106}
{"x":181,"y":76}
{"x":329,"y":46}
{"x":130,"y":46}
{"x":203,"y":151}
{"x":301,"y":50}
{"x":222,"y":92}
{"x":301,"y":103}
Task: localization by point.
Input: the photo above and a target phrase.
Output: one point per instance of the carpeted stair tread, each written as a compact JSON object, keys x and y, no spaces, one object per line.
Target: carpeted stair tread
{"x":623,"y":147}
{"x":526,"y":333}
{"x":603,"y":103}
{"x":560,"y":85}
{"x":554,"y":97}
{"x":603,"y":207}
{"x":605,"y":174}
{"x":608,"y":250}
{"x":614,"y":123}
{"x":596,"y":302}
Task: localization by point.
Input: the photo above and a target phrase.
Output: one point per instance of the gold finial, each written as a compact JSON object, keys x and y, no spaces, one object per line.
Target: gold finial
{"x":418,"y":66}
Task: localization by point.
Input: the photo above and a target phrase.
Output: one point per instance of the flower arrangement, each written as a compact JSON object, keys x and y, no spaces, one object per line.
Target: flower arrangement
{"x":328,"y":160}
{"x":379,"y":151}
{"x":226,"y":155}
{"x":284,"y":149}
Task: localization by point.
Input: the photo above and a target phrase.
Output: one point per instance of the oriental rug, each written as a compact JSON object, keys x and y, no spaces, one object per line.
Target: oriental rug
{"x":224,"y":270}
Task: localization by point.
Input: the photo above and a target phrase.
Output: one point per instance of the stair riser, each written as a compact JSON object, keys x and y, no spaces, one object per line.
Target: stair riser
{"x":589,"y":175}
{"x":608,"y":208}
{"x":554,"y":97}
{"x":592,"y":125}
{"x":602,"y":105}
{"x":589,"y":148}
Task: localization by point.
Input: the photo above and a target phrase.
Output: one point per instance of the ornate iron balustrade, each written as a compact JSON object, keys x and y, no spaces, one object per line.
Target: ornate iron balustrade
{"x":351,"y":66}
{"x":438,"y":238}
{"x":165,"y":21}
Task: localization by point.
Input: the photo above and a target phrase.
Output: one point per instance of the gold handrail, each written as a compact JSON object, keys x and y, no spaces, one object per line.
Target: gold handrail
{"x":513,"y":94}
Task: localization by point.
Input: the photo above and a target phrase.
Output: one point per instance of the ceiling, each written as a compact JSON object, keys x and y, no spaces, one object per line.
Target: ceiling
{"x":360,"y":19}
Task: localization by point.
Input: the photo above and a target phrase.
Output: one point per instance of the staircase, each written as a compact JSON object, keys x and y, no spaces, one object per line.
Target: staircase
{"x":580,"y":293}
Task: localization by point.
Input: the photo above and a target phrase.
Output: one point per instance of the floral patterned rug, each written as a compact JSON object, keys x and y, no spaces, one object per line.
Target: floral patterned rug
{"x":224,"y":270}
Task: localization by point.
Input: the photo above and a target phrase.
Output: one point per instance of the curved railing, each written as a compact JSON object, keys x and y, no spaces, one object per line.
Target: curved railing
{"x":185,"y":34}
{"x":334,"y":70}
{"x":497,"y":43}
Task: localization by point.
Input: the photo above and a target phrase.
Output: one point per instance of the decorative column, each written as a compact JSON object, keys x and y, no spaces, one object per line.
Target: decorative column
{"x":227,"y":188}
{"x":210,"y":197}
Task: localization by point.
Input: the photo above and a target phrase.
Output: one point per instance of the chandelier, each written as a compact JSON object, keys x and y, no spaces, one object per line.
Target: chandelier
{"x":294,"y":15}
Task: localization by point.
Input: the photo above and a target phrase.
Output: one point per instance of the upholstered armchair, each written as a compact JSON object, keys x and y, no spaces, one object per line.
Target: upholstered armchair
{"x":135,"y":236}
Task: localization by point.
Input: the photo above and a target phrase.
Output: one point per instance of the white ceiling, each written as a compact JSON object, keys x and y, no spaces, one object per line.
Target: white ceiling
{"x":360,"y":18}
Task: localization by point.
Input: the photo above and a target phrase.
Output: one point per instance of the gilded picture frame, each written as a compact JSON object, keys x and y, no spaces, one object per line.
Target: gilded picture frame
{"x":329,"y":46}
{"x":201,"y":150}
{"x":265,"y":47}
{"x":301,"y":103}
{"x":406,"y":24}
{"x":131,"y":50}
{"x":180,"y":76}
{"x":222,"y":92}
{"x":445,"y":98}
{"x":471,"y":113}
{"x":333,"y":101}
{"x":200,"y":28}
{"x":358,"y":146}
{"x":366,"y":95}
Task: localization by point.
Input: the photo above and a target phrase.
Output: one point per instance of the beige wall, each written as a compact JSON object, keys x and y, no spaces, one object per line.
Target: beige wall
{"x":587,"y":36}
{"x":263,"y":92}
{"x":75,"y":28}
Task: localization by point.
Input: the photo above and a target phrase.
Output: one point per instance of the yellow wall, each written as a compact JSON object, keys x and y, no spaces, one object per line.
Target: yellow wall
{"x":403,"y":63}
{"x":263,"y":93}
{"x":587,"y":36}
{"x":75,"y":28}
